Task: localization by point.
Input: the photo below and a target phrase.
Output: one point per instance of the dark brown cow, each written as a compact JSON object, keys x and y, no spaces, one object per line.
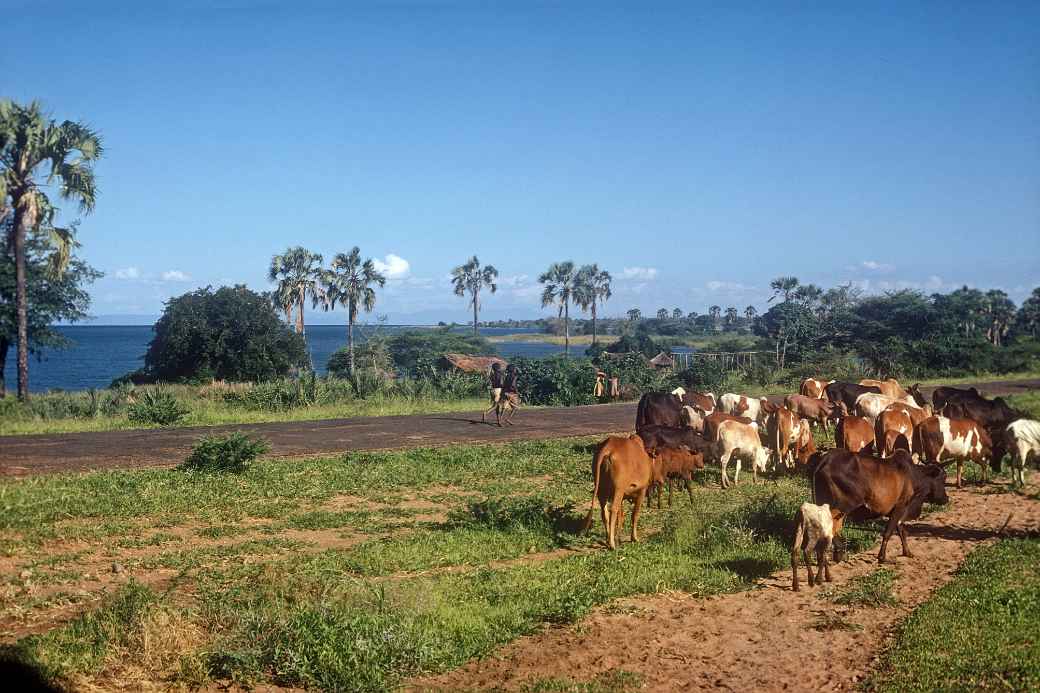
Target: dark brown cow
{"x":940,"y":440}
{"x":943,"y":395}
{"x":621,"y":468}
{"x":895,"y":421}
{"x":703,"y":401}
{"x":995,"y":414}
{"x":816,"y":410}
{"x":678,"y":463}
{"x":854,"y":433}
{"x":659,"y":408}
{"x":861,"y":487}
{"x":711,"y":424}
{"x":846,"y":394}
{"x":655,"y":437}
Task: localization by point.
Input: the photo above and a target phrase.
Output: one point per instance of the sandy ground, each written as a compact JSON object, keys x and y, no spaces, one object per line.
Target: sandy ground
{"x":765,"y":639}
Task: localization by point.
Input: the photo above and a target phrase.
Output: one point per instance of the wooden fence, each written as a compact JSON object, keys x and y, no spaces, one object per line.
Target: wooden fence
{"x":731,"y":360}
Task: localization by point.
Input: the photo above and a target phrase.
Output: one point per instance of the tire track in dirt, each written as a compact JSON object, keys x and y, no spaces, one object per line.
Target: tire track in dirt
{"x":762,"y":639}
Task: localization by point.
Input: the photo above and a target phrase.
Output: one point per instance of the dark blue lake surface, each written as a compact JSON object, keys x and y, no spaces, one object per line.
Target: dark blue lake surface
{"x":100,"y":353}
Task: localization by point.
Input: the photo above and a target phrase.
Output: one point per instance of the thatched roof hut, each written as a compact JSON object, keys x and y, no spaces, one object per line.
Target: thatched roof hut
{"x":662,"y":360}
{"x":471,"y":364}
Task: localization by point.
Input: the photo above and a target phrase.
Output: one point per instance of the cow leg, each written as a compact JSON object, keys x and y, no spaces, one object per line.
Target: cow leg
{"x":736,"y":470}
{"x":960,"y":470}
{"x":723,"y":461}
{"x":893,"y":524}
{"x":637,"y":503}
{"x":902,"y":540}
{"x":839,"y":541}
{"x":607,"y":521}
{"x":617,"y":510}
{"x":825,"y":570}
{"x":689,"y":490}
{"x":808,"y":566}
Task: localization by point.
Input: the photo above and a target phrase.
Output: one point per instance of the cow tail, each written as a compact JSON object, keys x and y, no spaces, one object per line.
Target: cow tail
{"x":587,"y":524}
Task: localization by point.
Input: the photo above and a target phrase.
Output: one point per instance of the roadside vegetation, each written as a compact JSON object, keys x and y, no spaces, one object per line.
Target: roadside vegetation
{"x":981,"y":630}
{"x":352,"y":572}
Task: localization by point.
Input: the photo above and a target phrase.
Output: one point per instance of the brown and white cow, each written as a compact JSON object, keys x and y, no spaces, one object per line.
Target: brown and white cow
{"x":712,"y":423}
{"x":818,"y":411}
{"x":890,"y":388}
{"x":892,"y":421}
{"x":621,"y":468}
{"x":941,"y":440}
{"x":783,"y":429}
{"x":853,"y":433}
{"x":870,"y":405}
{"x":742,"y":405}
{"x":740,"y":441}
{"x":805,"y":446}
{"x":811,"y":387}
{"x":916,"y":414}
{"x":705,"y":401}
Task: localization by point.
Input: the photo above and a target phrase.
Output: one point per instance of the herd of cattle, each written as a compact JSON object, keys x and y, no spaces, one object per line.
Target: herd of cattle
{"x":891,"y":448}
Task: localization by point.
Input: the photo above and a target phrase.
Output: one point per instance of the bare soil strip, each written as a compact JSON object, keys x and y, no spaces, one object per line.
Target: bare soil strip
{"x":69,"y":452}
{"x":765,"y":639}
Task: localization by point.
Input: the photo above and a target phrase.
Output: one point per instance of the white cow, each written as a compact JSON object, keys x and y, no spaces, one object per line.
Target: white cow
{"x":740,"y":441}
{"x":814,"y":531}
{"x":693,"y":418}
{"x":742,"y":405}
{"x":1022,"y":438}
{"x":871,"y":404}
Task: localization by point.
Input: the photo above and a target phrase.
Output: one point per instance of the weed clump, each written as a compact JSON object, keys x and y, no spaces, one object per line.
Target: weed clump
{"x":157,"y":406}
{"x":230,"y":454}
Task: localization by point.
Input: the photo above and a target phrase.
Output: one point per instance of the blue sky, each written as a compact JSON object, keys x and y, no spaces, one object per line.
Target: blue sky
{"x":694,"y":150}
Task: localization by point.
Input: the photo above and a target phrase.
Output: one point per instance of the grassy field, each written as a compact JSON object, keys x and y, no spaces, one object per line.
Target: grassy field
{"x":346,"y":573}
{"x":981,"y":630}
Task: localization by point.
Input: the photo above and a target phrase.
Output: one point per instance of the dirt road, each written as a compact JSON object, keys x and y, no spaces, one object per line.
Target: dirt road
{"x":43,"y":454}
{"x":766,"y":639}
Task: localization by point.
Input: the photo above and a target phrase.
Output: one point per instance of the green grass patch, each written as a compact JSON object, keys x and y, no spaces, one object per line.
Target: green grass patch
{"x":873,"y":590}
{"x":981,"y":630}
{"x":613,"y":681}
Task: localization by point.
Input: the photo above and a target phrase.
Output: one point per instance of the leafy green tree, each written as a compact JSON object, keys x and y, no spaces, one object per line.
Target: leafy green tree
{"x":297,"y":273}
{"x":1001,"y":313}
{"x":560,"y":282}
{"x":1028,"y":317}
{"x":36,"y":150}
{"x":783,"y":286}
{"x":231,"y":334}
{"x":54,"y":297}
{"x":471,"y":277}
{"x":410,"y":349}
{"x":593,"y":286}
{"x":350,"y":283}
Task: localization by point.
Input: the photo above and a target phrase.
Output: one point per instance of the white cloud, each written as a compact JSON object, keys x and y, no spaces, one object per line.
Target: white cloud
{"x":729,"y":287}
{"x":872,"y":266}
{"x":128,"y":273}
{"x":175,"y":276}
{"x":392,"y":266}
{"x":643,"y":273}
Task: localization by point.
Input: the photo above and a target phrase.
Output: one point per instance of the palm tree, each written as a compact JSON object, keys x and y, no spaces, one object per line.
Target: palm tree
{"x":472,"y":277}
{"x":750,"y":312}
{"x":715,"y":312}
{"x":593,"y":287}
{"x":560,"y":282}
{"x":297,"y":273}
{"x":349,"y":283}
{"x":634,"y":314}
{"x":677,"y":313}
{"x":783,"y":285}
{"x":30,"y":142}
{"x":731,"y":316}
{"x":662,"y":313}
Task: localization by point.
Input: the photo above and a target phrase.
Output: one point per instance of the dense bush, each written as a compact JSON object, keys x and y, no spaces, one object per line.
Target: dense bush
{"x":635,"y":374}
{"x":286,"y":394}
{"x":408,"y":349}
{"x":230,"y":334}
{"x":156,"y":406}
{"x":557,"y":381}
{"x":232,"y":453}
{"x":704,"y":375}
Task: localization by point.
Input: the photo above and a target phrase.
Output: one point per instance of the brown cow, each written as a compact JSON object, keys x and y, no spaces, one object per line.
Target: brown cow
{"x":621,"y":469}
{"x":805,"y":446}
{"x":861,"y":486}
{"x":815,"y":410}
{"x":783,"y":427}
{"x":854,"y":433}
{"x":916,"y":414}
{"x":711,"y":424}
{"x":677,"y":463}
{"x":895,"y":421}
{"x":939,"y":439}
{"x":889,"y":388}
{"x":811,"y":387}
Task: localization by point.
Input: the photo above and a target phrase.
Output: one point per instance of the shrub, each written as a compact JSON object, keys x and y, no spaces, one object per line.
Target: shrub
{"x":557,"y":381}
{"x":232,"y":453}
{"x":636,"y":375}
{"x":157,"y":406}
{"x":408,"y":348}
{"x":230,"y":334}
{"x":704,"y":375}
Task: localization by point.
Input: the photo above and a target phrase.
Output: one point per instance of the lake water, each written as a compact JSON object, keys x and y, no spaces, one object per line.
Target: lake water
{"x":101,"y":353}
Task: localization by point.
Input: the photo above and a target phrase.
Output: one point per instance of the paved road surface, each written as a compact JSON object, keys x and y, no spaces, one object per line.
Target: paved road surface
{"x":42,"y":454}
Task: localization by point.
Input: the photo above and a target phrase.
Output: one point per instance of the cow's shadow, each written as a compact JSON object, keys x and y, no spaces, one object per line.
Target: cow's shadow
{"x":956,"y":532}
{"x":749,"y":569}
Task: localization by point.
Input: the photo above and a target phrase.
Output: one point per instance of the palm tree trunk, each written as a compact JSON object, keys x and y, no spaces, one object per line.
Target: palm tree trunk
{"x":566,"y":328}
{"x":350,"y":336}
{"x":299,"y":315}
{"x":21,"y":299}
{"x":476,"y":294}
{"x":593,"y":321}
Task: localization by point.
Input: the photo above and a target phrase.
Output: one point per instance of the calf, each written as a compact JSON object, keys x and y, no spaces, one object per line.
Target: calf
{"x":896,"y":421}
{"x":712,"y":423}
{"x":655,"y":437}
{"x":677,"y":463}
{"x":621,"y":468}
{"x":740,"y":441}
{"x":854,"y":433}
{"x":814,"y":531}
{"x":860,"y":487}
{"x":939,"y":439}
{"x":1022,"y":439}
{"x":659,"y":408}
{"x":783,"y":428}
{"x":811,"y":387}
{"x":818,"y":411}
{"x":845,"y":394}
